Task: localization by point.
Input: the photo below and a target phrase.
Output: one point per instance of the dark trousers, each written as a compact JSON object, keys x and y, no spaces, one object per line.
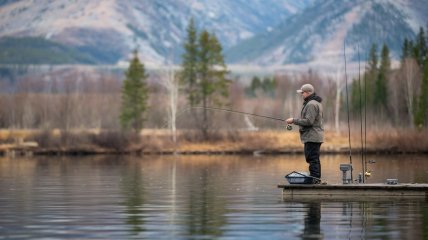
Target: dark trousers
{"x":312,"y":155}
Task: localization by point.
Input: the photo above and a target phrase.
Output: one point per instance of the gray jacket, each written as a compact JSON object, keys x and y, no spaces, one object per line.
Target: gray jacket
{"x":311,"y":121}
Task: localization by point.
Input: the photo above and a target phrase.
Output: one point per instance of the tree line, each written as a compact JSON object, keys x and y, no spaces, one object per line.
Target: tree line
{"x":178,"y":98}
{"x":399,"y":95}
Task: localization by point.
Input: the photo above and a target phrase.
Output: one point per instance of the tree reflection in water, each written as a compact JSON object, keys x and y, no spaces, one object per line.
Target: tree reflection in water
{"x":207,"y":207}
{"x":133,"y":191}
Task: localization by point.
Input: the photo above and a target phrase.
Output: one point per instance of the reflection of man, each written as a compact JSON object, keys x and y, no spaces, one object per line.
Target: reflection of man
{"x":311,"y":129}
{"x":312,"y":228}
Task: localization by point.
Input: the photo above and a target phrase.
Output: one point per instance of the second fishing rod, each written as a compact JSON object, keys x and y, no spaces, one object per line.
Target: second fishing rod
{"x":289,"y":127}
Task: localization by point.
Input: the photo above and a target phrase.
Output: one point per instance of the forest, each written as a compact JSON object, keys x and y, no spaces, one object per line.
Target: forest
{"x":70,"y":99}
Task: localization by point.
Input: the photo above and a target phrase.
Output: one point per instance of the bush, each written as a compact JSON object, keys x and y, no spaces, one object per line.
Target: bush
{"x":213,"y":136}
{"x":117,"y":140}
{"x":46,"y":139}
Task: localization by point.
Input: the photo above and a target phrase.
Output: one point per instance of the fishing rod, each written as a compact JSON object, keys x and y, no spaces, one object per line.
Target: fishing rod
{"x":365,"y":122}
{"x":362,"y":176}
{"x":289,"y":127}
{"x":347,"y":106}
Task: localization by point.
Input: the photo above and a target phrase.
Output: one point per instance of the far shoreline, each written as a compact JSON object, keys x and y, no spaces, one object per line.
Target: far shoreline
{"x":159,"y":142}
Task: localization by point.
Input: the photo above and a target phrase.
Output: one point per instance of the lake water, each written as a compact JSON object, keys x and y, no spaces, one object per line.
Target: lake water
{"x":197,"y":197}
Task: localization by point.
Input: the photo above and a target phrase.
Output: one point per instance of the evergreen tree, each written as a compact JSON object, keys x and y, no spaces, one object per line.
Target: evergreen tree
{"x":212,"y":72}
{"x":204,"y":73}
{"x":189,"y":64}
{"x":380,"y":96}
{"x":411,"y":49}
{"x":420,"y":48}
{"x":255,"y":84}
{"x":134,"y":95}
{"x":406,"y":51}
{"x":371,"y":75}
{"x":269,"y":85}
{"x":422,"y":107}
{"x":355,"y":105}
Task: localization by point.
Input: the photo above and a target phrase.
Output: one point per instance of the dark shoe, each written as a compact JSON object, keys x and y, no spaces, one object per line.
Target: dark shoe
{"x":316,"y":181}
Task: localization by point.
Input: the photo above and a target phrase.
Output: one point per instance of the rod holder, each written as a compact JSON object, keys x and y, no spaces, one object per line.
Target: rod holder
{"x":346,"y":173}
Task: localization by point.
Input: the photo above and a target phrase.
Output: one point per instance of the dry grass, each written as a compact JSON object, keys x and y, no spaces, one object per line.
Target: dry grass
{"x":401,"y":140}
{"x":257,"y":141}
{"x":393,"y":140}
{"x":12,"y":135}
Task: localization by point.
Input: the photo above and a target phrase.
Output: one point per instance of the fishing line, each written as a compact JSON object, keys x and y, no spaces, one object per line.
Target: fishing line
{"x":289,"y":127}
{"x":178,"y":114}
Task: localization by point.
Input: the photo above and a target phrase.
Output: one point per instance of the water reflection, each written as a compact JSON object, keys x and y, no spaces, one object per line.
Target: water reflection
{"x":363,"y":220}
{"x":132,"y":186}
{"x":195,"y":197}
{"x":312,"y":223}
{"x":206,"y":206}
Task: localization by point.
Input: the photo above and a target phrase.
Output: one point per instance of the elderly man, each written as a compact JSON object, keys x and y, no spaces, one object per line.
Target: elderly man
{"x":311,"y":129}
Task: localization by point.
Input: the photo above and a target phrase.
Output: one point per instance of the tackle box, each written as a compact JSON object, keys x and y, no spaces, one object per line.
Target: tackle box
{"x":299,"y":178}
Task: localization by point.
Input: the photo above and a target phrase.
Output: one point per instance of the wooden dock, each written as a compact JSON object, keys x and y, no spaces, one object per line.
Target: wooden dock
{"x":355,"y":191}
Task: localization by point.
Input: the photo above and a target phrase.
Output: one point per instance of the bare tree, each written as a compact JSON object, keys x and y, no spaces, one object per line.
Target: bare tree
{"x":46,"y":108}
{"x":339,"y":86}
{"x":173,"y":103}
{"x":171,"y":83}
{"x":396,"y":97}
{"x":410,"y":83}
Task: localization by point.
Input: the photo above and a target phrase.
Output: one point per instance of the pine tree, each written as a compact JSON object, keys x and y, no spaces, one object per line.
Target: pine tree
{"x":251,"y":90}
{"x":355,"y":105}
{"x":381,"y":82}
{"x":406,"y":51}
{"x":189,"y":64}
{"x":218,"y":71}
{"x":134,"y":95}
{"x":420,"y":48}
{"x":204,"y":73}
{"x":422,"y":107}
{"x":212,"y":75}
{"x":371,"y":75}
{"x":269,"y":85}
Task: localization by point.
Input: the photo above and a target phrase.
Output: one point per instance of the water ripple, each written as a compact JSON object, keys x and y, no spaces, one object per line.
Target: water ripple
{"x":170,"y":198}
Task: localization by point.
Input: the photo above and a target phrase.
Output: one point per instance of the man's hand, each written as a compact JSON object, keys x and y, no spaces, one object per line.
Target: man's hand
{"x":289,"y":121}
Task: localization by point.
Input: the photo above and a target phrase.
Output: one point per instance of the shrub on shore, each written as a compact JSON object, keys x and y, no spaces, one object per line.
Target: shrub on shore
{"x":156,"y":141}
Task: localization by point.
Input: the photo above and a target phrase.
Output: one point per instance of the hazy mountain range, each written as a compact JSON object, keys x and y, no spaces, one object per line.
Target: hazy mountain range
{"x":318,"y":33}
{"x":256,"y":32}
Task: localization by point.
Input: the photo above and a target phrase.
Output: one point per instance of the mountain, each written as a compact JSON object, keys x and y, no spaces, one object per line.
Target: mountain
{"x":256,"y":32}
{"x":5,"y":2}
{"x":107,"y":31}
{"x":317,"y":34}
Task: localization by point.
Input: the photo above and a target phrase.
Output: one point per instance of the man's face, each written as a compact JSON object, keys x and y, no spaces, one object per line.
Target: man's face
{"x":304,"y":94}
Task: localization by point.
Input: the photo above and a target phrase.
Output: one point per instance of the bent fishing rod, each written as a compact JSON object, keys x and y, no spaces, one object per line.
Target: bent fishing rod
{"x":289,"y":127}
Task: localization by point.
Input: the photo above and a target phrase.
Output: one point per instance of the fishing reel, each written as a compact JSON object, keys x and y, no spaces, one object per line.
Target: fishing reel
{"x":289,"y":127}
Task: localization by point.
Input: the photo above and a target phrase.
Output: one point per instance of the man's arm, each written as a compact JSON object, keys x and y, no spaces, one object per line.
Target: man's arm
{"x":309,"y":117}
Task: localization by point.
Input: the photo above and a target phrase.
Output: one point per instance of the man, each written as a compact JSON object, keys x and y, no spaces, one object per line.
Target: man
{"x":311,"y":129}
